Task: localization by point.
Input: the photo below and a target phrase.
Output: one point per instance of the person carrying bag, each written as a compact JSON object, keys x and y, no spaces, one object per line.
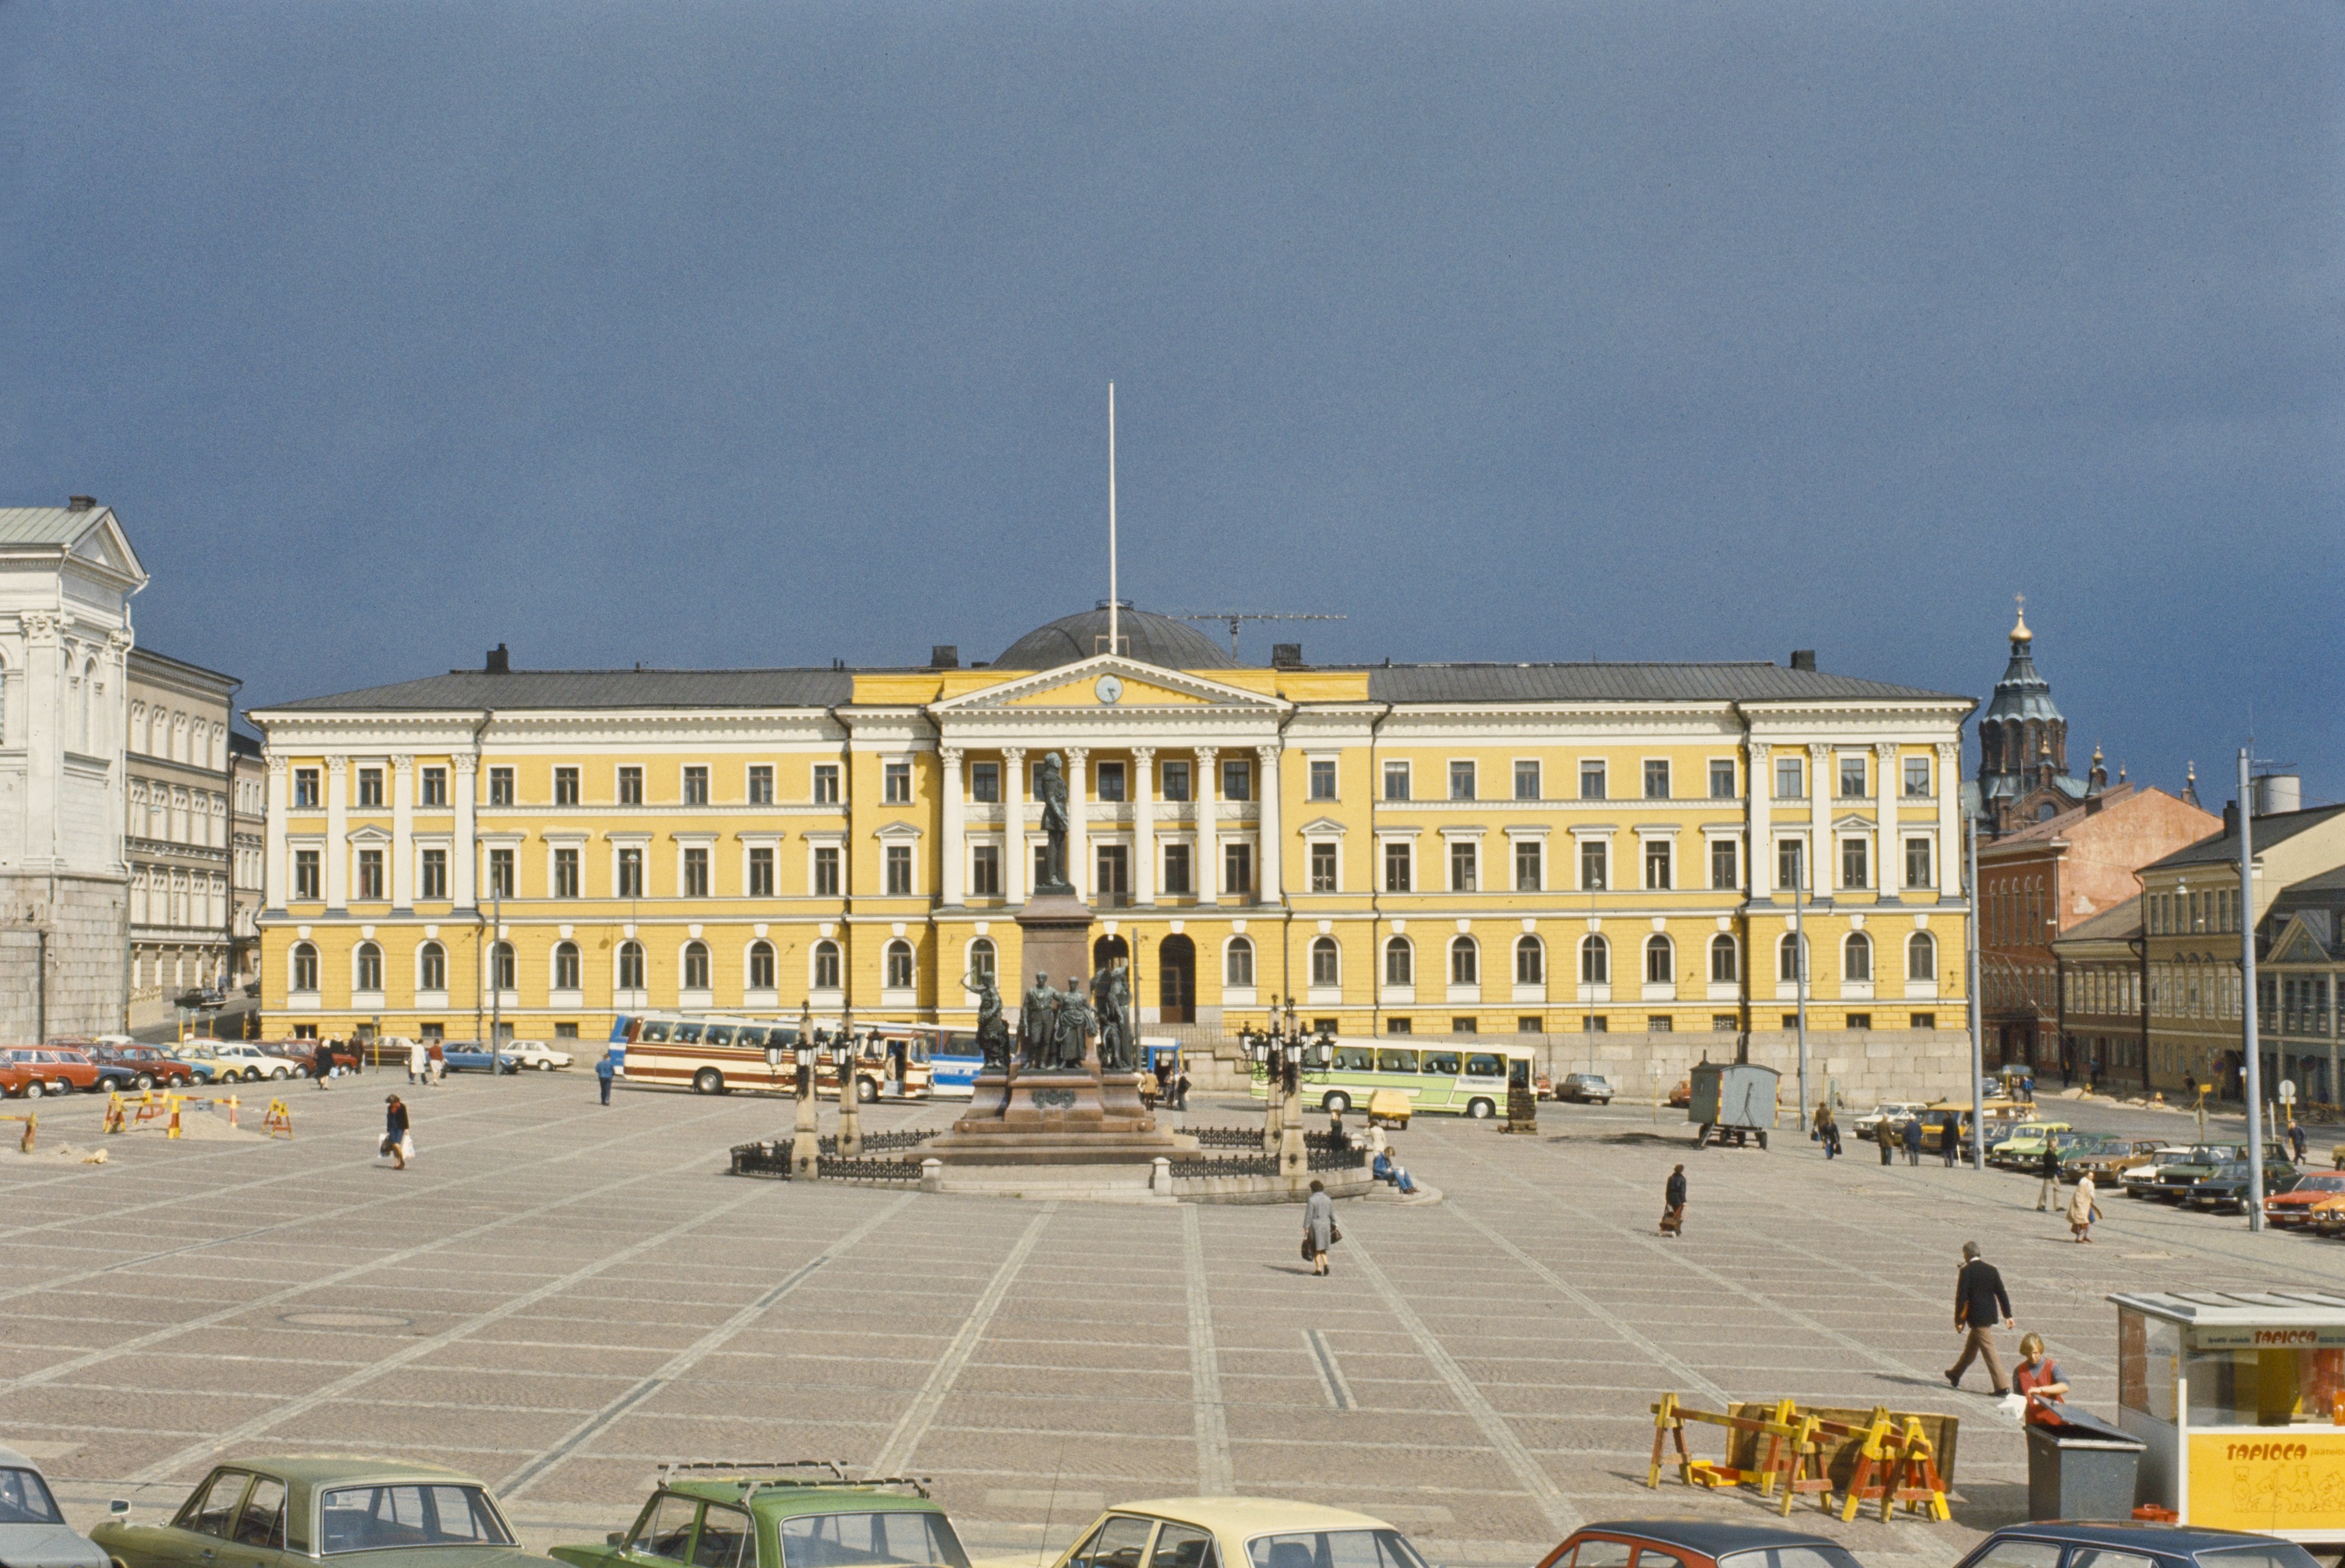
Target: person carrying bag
{"x":398,"y":1139}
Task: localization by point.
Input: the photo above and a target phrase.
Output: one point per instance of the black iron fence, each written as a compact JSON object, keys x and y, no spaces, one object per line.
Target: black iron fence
{"x":831,"y":1168}
{"x":1228,"y":1166}
{"x":762,"y":1160}
{"x":877,"y":1142}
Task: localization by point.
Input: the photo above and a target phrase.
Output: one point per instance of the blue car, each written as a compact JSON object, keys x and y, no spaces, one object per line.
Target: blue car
{"x":2131,"y":1544}
{"x":472,"y":1056}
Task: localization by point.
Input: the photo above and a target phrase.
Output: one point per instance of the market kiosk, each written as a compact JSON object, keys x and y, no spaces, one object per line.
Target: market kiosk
{"x":2241,"y":1400}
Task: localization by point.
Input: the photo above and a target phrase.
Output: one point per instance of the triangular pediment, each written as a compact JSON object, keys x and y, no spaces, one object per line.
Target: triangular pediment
{"x":2296,"y":944}
{"x":106,"y":546}
{"x":1092,"y":684}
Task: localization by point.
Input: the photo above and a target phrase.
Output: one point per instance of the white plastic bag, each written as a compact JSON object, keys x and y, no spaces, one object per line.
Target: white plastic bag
{"x":407,"y":1145}
{"x":2013,"y":1405}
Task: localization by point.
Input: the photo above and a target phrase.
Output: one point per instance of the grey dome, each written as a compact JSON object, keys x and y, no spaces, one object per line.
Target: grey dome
{"x":1150,"y":638}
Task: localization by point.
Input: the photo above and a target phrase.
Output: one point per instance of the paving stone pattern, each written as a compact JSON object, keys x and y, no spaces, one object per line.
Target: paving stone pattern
{"x":556,"y":1296}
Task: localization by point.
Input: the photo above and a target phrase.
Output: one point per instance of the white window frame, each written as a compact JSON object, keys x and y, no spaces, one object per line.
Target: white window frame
{"x":824,"y":840}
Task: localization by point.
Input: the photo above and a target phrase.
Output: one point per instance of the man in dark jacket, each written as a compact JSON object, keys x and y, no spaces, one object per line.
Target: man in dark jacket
{"x":1949,"y":1136}
{"x":1980,"y":1303}
{"x":1914,"y":1141}
{"x":2047,"y":1197}
{"x":322,"y":1067}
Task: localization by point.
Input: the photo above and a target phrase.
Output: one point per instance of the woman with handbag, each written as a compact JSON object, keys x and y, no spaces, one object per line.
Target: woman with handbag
{"x":396,"y":1140}
{"x":2081,"y":1209}
{"x":1319,"y":1229}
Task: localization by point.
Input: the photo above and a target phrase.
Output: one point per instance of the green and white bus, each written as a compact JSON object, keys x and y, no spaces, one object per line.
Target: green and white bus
{"x":1451,"y":1076}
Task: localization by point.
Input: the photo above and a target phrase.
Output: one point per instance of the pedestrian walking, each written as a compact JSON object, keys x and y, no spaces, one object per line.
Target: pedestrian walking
{"x":1673,"y":1202}
{"x":1319,"y":1228}
{"x":1980,"y":1303}
{"x":435,"y":1059}
{"x":2037,"y":1377}
{"x":321,"y":1066}
{"x":417,"y":1062}
{"x":604,"y":1071}
{"x":1827,"y":1132}
{"x":1337,"y":1138}
{"x":2081,"y":1209}
{"x":2047,"y":1195}
{"x":2296,"y":1139}
{"x":1949,"y":1136}
{"x":397,"y":1141}
{"x":1914,"y":1141}
{"x":1181,"y":1090}
{"x":1886,"y":1136}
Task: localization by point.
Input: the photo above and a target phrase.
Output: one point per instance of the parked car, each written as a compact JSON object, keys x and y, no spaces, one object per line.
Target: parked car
{"x":51,"y":1070}
{"x":2022,"y":1148}
{"x":2304,"y":1198}
{"x":1586,"y":1089}
{"x":200,"y":999}
{"x":1682,"y":1096}
{"x":133,"y":1068}
{"x":2111,"y":1160}
{"x":33,"y":1531}
{"x":1695,"y":1544}
{"x":537,"y":1054}
{"x":2112,"y":1541}
{"x":300,"y":1056}
{"x":226,"y":1062}
{"x":2226,"y":1187}
{"x":764,"y":1516}
{"x":278,"y":1509}
{"x":472,"y":1056}
{"x":2141,"y":1180}
{"x":1896,"y":1113}
{"x":1238,"y":1533}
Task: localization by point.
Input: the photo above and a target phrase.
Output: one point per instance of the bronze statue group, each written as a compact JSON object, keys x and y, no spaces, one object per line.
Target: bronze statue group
{"x":1054,"y":1025}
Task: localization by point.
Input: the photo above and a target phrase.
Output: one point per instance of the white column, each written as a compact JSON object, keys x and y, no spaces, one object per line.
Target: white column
{"x":402,"y":833}
{"x":1761,"y":847}
{"x":463,"y":875}
{"x":1270,"y":849}
{"x":118,"y":746}
{"x":1015,"y":859}
{"x":43,"y":727}
{"x":1888,"y":845}
{"x":1209,"y":834}
{"x":1946,"y":862}
{"x":1822,"y":877}
{"x":1079,"y":823}
{"x":1143,"y":825}
{"x":276,"y":875}
{"x":338,"y":834}
{"x":955,"y":853}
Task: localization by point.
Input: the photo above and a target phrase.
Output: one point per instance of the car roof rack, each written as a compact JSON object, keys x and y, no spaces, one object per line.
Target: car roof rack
{"x":757,"y":1474}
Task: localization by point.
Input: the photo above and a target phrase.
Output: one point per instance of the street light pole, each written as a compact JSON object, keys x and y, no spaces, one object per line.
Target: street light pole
{"x":850,"y":1109}
{"x":1978,"y":1044}
{"x":1800,"y":973}
{"x":806,"y":1145}
{"x":2249,"y":1036}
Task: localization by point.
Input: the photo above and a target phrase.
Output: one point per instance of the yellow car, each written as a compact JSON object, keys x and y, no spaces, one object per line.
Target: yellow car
{"x":1237,"y":1532}
{"x":217,"y":1062}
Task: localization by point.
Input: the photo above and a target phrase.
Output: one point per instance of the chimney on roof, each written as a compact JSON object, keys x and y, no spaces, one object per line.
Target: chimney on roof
{"x":2230,"y":819}
{"x":1286,"y":655}
{"x":944,"y":655}
{"x":80,"y":502}
{"x":499,"y":664}
{"x":1803,"y":658}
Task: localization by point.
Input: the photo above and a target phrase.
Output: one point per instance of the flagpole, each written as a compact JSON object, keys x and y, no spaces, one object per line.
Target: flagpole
{"x":1114,"y":610}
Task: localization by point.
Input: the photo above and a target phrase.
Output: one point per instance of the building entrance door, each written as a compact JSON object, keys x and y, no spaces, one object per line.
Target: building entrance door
{"x":1176,"y":979}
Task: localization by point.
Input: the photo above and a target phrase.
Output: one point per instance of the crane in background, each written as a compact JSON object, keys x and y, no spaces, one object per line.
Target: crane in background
{"x":1238,"y":617}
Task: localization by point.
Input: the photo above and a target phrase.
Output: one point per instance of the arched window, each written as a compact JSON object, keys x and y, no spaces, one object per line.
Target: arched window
{"x":565,"y":966}
{"x":1465,"y":961}
{"x":1725,"y":960}
{"x":761,"y":966}
{"x":899,"y":966}
{"x":1594,"y":961}
{"x":826,"y":965}
{"x":501,"y":966}
{"x":305,"y":967}
{"x":630,"y":966}
{"x":983,"y":959}
{"x":1530,"y":960}
{"x":1326,"y":965}
{"x":1660,"y":965}
{"x":1237,"y":963}
{"x":1856,"y":957}
{"x":1920,"y":956}
{"x":1400,"y":963}
{"x":1787,"y":966}
{"x":369,"y":968}
{"x":431,"y":967}
{"x":695,"y":966}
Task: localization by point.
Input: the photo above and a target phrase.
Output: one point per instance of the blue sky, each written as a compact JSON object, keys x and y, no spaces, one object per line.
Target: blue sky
{"x":761,"y":333}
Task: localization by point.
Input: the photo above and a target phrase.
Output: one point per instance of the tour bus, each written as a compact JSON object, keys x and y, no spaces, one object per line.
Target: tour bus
{"x":713,"y":1054}
{"x":1463,"y":1077}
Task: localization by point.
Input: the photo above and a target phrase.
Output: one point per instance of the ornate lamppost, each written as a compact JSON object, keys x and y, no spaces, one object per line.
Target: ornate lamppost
{"x":805,"y":1147}
{"x":1281,"y":1048}
{"x":850,"y":1116}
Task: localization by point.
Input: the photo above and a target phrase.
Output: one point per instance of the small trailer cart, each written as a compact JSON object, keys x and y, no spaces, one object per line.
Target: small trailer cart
{"x":1733,"y":1100}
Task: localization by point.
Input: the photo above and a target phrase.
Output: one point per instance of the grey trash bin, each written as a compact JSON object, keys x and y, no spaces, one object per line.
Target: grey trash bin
{"x":2082,"y":1469}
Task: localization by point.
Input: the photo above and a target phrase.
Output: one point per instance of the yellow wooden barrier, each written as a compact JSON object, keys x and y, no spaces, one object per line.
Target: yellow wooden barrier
{"x":117,"y":1119}
{"x":279,"y":1119}
{"x":1786,"y":1455}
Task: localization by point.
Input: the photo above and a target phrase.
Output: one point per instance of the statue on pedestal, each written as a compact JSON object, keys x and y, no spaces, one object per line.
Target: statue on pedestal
{"x":1074,"y":1023}
{"x":1038,"y":1017}
{"x":1050,"y":790}
{"x":992,"y":1031}
{"x":1111,"y":1001}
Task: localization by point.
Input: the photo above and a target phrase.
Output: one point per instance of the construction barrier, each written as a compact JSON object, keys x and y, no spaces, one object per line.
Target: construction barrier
{"x":32,"y":1120}
{"x":1878,"y":1455}
{"x":150,"y":1108}
{"x":117,"y":1119}
{"x":1784,"y":1451}
{"x":280,"y":1119}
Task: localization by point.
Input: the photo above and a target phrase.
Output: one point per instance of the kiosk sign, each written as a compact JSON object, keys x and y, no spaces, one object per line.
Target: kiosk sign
{"x":2244,"y":1336}
{"x":2291,"y":1481}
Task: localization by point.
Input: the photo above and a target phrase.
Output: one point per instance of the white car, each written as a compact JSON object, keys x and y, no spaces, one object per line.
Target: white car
{"x":1895,"y":1112}
{"x":536,"y":1054}
{"x":32,"y":1529}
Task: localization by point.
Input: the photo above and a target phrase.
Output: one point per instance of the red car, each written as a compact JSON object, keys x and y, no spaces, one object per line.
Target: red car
{"x":50,"y":1070}
{"x":2324,"y":1189}
{"x":135,"y":1067}
{"x":1695,"y":1544}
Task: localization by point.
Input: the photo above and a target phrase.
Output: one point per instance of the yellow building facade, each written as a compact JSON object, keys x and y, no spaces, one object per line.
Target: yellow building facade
{"x":1399,"y":848}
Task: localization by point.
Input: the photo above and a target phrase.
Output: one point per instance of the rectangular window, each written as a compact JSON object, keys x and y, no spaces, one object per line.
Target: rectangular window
{"x":1237,"y":780}
{"x":501,"y":785}
{"x":985,"y":782}
{"x":370,"y":874}
{"x":566,"y":785}
{"x":1656,"y":863}
{"x":1851,"y":776}
{"x":826,"y":870}
{"x":1399,"y":1025}
{"x":501,"y":872}
{"x":1725,"y":867}
{"x":565,"y":873}
{"x":1112,"y":863}
{"x":369,"y":787}
{"x":1592,"y":865}
{"x":1657,"y":781}
{"x":1917,"y":778}
{"x":985,"y":871}
{"x":1922,"y":1021}
{"x":1530,"y":870}
{"x":1854,"y":864}
{"x":1526,"y":781}
{"x":1323,"y":867}
{"x":1918,"y":863}
{"x":436,"y":786}
{"x":305,"y":874}
{"x":1176,"y":869}
{"x":1176,"y":781}
{"x":761,"y":784}
{"x":1465,"y":857}
{"x":1461,"y":1027}
{"x":1723,"y":1023}
{"x":1461,"y":781}
{"x":1110,"y":782}
{"x":1791,"y":865}
{"x":896,"y":784}
{"x":696,"y":786}
{"x":1860,"y":1021}
{"x":826,"y":783}
{"x":761,"y":872}
{"x":1396,"y":866}
{"x":304,"y":787}
{"x":1323,"y":778}
{"x":1042,"y":866}
{"x":631,"y":786}
{"x":899,"y":871}
{"x":1591,"y":780}
{"x":1395,"y":780}
{"x":1722,"y":780}
{"x":1237,"y":867}
{"x":1660,"y":1023}
{"x":435,"y":875}
{"x":1596,"y":1024}
{"x":631,"y":873}
{"x":1787,"y":778}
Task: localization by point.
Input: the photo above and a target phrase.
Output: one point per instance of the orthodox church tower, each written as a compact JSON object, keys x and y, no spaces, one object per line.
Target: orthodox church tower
{"x":2024,"y":745}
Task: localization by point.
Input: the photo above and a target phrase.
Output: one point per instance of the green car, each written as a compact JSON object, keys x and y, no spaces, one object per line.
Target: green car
{"x":273,"y":1511}
{"x":767,"y":1521}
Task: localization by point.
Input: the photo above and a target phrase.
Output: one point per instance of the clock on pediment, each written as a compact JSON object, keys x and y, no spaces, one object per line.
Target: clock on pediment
{"x":1108,"y":687}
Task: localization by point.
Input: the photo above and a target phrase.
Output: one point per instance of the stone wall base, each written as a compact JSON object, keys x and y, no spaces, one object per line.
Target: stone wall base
{"x":86,"y":921}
